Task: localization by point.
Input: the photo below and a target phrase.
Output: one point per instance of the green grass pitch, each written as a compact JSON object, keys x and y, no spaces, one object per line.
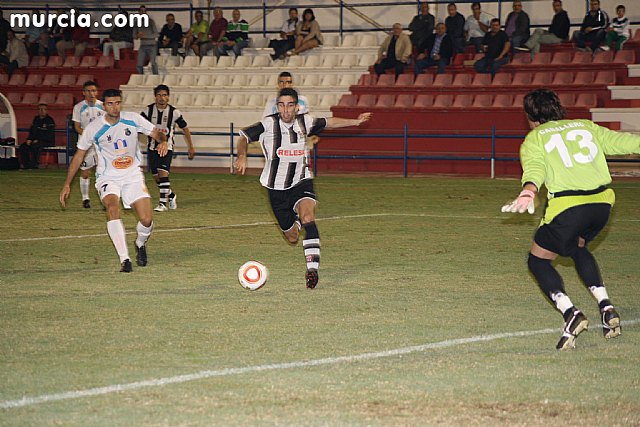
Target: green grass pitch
{"x":423,"y":291}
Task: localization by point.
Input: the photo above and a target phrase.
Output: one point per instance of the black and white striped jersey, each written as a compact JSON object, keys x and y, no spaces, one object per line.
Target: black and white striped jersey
{"x":285,"y":148}
{"x":164,"y":120}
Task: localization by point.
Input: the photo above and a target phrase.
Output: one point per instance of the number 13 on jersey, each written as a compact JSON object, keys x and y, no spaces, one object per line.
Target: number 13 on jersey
{"x":587,"y":153}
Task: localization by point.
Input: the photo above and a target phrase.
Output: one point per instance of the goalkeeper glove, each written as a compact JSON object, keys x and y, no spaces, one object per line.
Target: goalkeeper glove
{"x":523,"y":203}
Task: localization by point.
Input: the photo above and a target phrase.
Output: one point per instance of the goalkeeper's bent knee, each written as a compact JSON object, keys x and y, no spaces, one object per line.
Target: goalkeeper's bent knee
{"x":546,"y":275}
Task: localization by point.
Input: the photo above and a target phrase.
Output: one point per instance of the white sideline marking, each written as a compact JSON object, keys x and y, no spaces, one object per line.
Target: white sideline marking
{"x":256,"y":224}
{"x":29,"y":401}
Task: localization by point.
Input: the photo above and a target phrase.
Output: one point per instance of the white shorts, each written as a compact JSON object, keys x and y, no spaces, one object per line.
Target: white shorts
{"x":90,"y":159}
{"x":129,"y":189}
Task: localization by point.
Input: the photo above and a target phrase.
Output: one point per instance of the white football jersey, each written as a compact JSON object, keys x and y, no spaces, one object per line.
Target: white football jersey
{"x":116,"y":145}
{"x":84,"y":113}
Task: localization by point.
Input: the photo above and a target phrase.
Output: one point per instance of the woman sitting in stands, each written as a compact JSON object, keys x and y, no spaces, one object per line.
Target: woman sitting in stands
{"x":308,"y":33}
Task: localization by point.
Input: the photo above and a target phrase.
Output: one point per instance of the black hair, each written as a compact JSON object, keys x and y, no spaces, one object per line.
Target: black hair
{"x":289,"y":92}
{"x":89,"y":83}
{"x":110,"y":93}
{"x":293,"y":8}
{"x":621,"y":6}
{"x":474,"y":4}
{"x":543,"y":105}
{"x":495,"y":20}
{"x":313,"y":17}
{"x":285,"y":74}
{"x":159,"y":88}
{"x":452,"y":4}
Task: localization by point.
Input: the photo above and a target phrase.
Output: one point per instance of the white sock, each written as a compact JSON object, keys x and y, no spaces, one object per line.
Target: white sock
{"x":143,"y":234}
{"x":599,"y":293}
{"x":563,"y":303}
{"x":115,"y":228}
{"x":84,"y":187}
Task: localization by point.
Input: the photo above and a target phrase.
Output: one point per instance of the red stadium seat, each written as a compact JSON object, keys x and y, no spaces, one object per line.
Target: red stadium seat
{"x":443,"y":101}
{"x":482,"y":100}
{"x":501,"y":79}
{"x":30,"y":99}
{"x":4,"y":79}
{"x":481,"y":79}
{"x":541,"y":58}
{"x":605,"y":78}
{"x":17,"y":79}
{"x":586,"y":100}
{"x":385,"y":101}
{"x":561,"y":57}
{"x":502,"y":100}
{"x":542,"y":78}
{"x":583,"y":78}
{"x":71,"y":62}
{"x":582,"y":58}
{"x":51,"y":80}
{"x":443,"y":80}
{"x":603,"y":57}
{"x":404,"y":80}
{"x":567,"y":99}
{"x":462,"y":80}
{"x":563,"y":78}
{"x":404,"y":101}
{"x":64,"y":99}
{"x":521,"y":59}
{"x":366,"y":100}
{"x":423,"y":100}
{"x":83,"y":78}
{"x":33,"y":80}
{"x":518,"y":100}
{"x":38,"y":62}
{"x":366,"y":80}
{"x":54,"y":61}
{"x":386,"y":80}
{"x":67,"y":80}
{"x":14,"y":97}
{"x":105,"y":62}
{"x":348,"y":100}
{"x":423,"y":80}
{"x":624,"y":57}
{"x":47,"y":98}
{"x":521,"y":79}
{"x":463,"y":100}
{"x":88,"y":61}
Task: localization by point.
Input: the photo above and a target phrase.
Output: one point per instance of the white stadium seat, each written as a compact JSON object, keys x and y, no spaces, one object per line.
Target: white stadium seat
{"x":257,"y":80}
{"x":184,"y":100}
{"x":220,"y":100}
{"x":237,"y":100}
{"x":242,"y":62}
{"x":368,"y":40}
{"x":331,"y":61}
{"x":328,"y":100}
{"x":259,"y":42}
{"x":295,"y":61}
{"x":349,"y":40}
{"x":272,"y":80}
{"x":171,"y":80}
{"x":187,"y":80}
{"x":367,"y":60}
{"x":312,"y":98}
{"x":136,"y":80}
{"x":152,"y":80}
{"x":331,"y":40}
{"x":225,"y":62}
{"x":256,"y":100}
{"x":329,"y":80}
{"x":348,"y":80}
{"x":202,"y":99}
{"x":261,"y":61}
{"x":148,"y":99}
{"x":204,"y":80}
{"x":221,"y":80}
{"x":208,"y":62}
{"x":311,"y":80}
{"x":349,"y":61}
{"x":239,"y":80}
{"x":191,"y":61}
{"x":172,"y":61}
{"x":131,"y":98}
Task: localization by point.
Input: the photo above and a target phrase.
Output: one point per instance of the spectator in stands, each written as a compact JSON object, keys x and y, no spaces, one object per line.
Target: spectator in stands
{"x":557,"y":33}
{"x":496,"y":46}
{"x":148,"y":48}
{"x":476,"y":26}
{"x":56,"y":34}
{"x":197,"y":34}
{"x":455,"y":27}
{"x":422,"y":25}
{"x":517,"y":26}
{"x":308,"y":33}
{"x":5,"y":26}
{"x":394,"y":52}
{"x":593,"y":28}
{"x":171,"y":35}
{"x":119,"y":38}
{"x":236,"y":37}
{"x":15,"y":54}
{"x":32,"y":37}
{"x":76,"y":38}
{"x":41,"y":134}
{"x":436,"y":50}
{"x":217,"y":31}
{"x":285,"y":80}
{"x":618,"y":32}
{"x":287,"y":39}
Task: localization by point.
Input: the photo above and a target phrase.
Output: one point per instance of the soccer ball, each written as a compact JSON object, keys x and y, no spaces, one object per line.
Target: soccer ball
{"x":253,"y":275}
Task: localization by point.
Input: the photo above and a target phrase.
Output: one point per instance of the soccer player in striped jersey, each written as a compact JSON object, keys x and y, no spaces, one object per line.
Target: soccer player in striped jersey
{"x":568,"y":157}
{"x":165,"y":117}
{"x":118,"y":173}
{"x":284,"y":140}
{"x":85,"y":112}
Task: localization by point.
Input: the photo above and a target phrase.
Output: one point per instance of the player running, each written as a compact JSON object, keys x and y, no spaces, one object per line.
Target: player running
{"x":568,"y":157}
{"x":118,"y":174}
{"x":283,"y":138}
{"x":84,"y":112}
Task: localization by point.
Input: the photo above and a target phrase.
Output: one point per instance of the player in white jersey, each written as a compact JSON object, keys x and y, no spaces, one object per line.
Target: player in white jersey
{"x":118,"y":172}
{"x":284,"y":138}
{"x":84,"y":112}
{"x":165,"y":117}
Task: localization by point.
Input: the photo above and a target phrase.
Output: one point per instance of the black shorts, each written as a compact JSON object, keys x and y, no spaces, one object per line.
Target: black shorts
{"x":156,"y":162}
{"x":284,"y":202}
{"x":562,"y":233}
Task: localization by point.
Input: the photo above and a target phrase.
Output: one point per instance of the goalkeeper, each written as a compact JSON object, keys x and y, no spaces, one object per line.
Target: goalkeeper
{"x":568,"y":157}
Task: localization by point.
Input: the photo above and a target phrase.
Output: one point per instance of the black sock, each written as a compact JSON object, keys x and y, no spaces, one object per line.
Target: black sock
{"x":311,"y":245}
